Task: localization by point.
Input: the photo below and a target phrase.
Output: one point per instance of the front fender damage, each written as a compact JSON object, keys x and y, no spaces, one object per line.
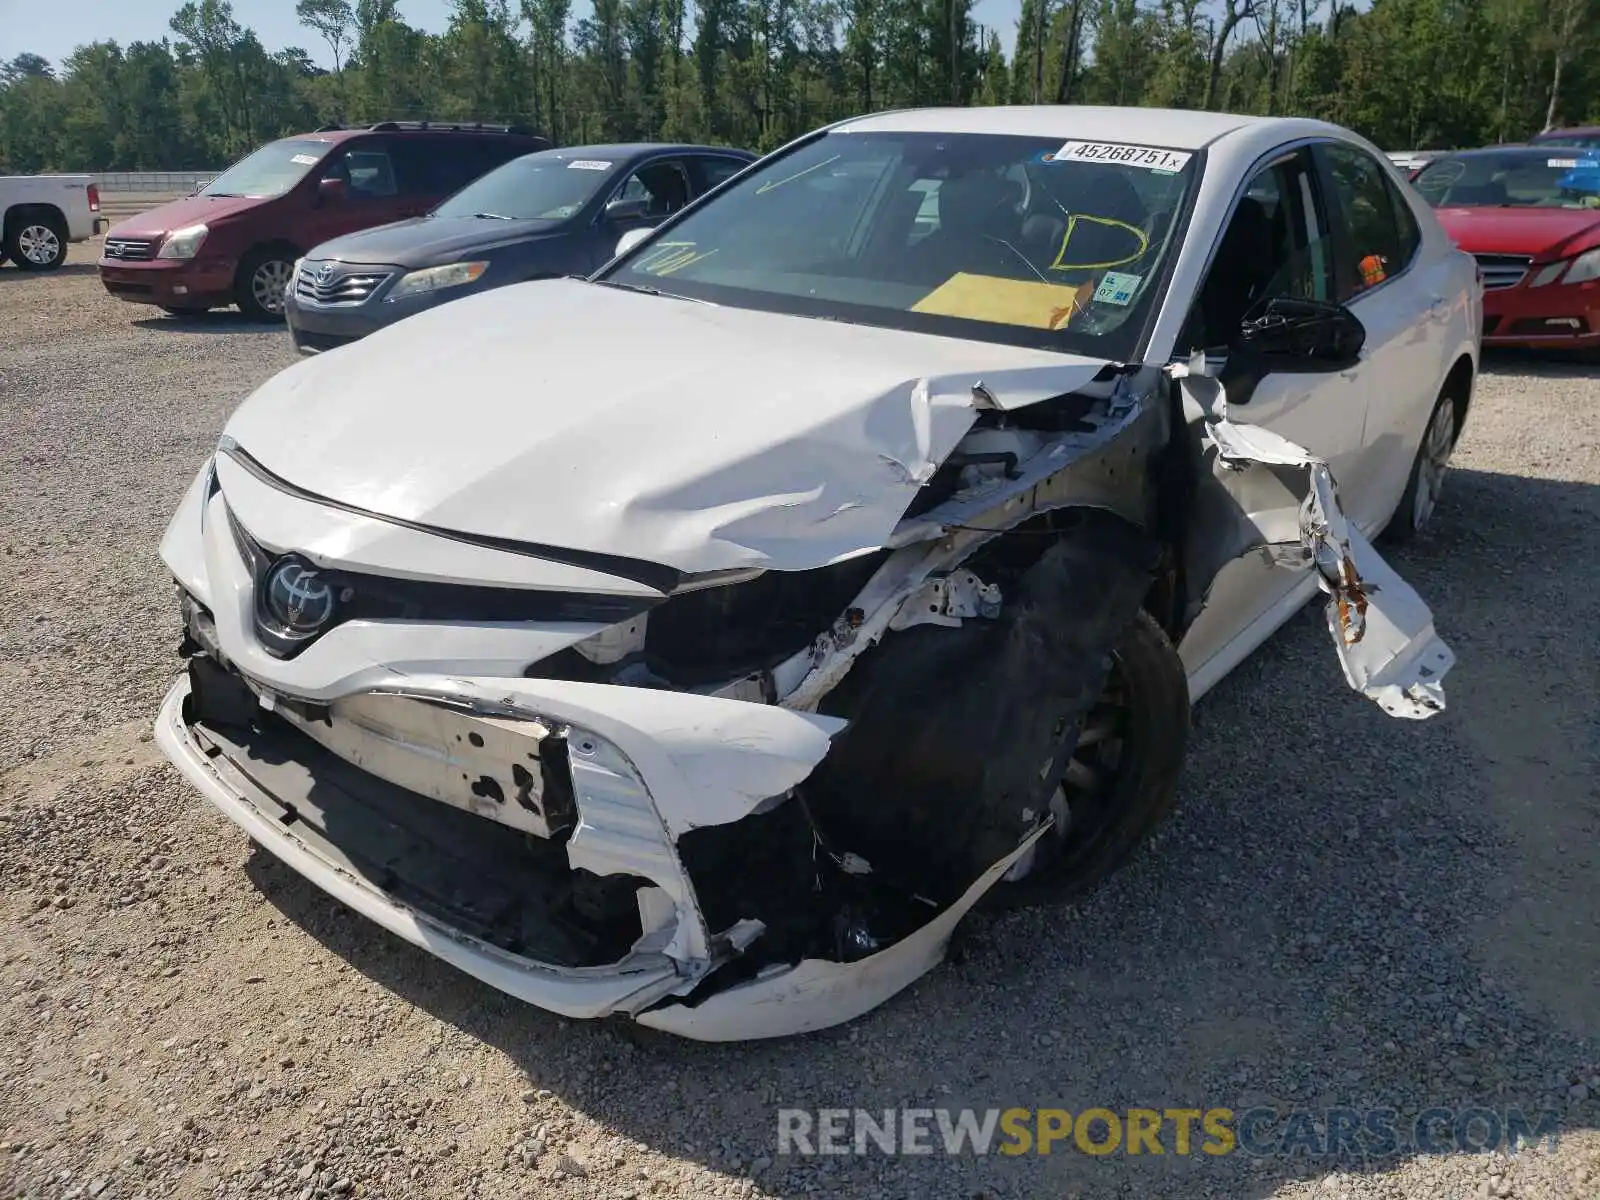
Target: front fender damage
{"x":1382,"y":630}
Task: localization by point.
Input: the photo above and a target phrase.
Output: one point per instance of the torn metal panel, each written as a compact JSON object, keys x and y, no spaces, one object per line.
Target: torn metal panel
{"x":1396,"y":658}
{"x":1100,"y":465}
{"x":817,"y":993}
{"x":1382,"y":630}
{"x":620,"y":833}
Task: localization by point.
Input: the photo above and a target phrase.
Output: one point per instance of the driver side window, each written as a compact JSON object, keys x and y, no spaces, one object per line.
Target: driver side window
{"x":1276,"y":245}
{"x":366,"y":171}
{"x":664,"y":186}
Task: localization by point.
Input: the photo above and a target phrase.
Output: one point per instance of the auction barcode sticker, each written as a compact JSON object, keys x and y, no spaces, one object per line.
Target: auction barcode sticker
{"x":1151,"y":158}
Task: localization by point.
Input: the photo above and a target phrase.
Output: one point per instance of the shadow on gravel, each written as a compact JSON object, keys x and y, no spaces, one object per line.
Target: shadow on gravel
{"x":9,"y":274}
{"x":218,"y":320}
{"x":1347,"y":911}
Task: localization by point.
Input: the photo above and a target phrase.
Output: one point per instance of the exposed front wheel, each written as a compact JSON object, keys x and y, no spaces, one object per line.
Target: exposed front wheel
{"x":1122,"y":779}
{"x":263,"y":285}
{"x":36,"y":243}
{"x":1421,"y":496}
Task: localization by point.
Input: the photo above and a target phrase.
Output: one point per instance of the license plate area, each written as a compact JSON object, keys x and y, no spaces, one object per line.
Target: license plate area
{"x":514,"y":772}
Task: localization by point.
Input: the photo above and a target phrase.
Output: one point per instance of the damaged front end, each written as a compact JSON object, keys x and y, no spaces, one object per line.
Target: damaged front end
{"x":746,"y":802}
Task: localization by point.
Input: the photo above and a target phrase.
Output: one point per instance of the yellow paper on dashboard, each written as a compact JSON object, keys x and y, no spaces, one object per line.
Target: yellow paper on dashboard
{"x":1025,"y":302}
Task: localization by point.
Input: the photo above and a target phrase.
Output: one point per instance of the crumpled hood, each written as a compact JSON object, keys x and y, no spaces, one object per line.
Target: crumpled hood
{"x":429,"y":241}
{"x":571,"y":414}
{"x":1541,"y":232}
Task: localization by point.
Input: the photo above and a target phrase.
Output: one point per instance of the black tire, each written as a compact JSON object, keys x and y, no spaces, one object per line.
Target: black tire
{"x":252,"y":286}
{"x":959,"y":737}
{"x":36,"y":241}
{"x":1143,"y":719}
{"x":1421,"y":497}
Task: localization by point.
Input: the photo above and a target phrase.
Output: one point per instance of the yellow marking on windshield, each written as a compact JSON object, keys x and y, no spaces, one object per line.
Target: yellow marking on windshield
{"x":683,"y":260}
{"x":671,"y":256}
{"x":771,"y":184}
{"x":1023,"y":302}
{"x":1072,"y":226}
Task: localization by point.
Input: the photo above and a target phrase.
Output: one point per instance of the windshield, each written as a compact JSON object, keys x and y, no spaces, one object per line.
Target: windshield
{"x":1548,"y":179}
{"x":1010,"y":239}
{"x":270,"y":171}
{"x":542,"y":186}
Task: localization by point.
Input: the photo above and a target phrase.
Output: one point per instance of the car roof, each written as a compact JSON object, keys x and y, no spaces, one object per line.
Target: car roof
{"x":623,"y":150}
{"x":332,"y":136}
{"x":1182,"y":129}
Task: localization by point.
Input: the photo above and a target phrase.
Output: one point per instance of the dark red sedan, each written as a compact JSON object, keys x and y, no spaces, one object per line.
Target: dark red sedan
{"x":1530,"y":215}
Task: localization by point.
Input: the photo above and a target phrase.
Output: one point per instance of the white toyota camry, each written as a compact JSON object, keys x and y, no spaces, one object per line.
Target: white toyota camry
{"x":701,"y":641}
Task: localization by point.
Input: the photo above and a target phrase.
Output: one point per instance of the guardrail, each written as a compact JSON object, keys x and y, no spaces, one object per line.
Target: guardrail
{"x":162,"y":182}
{"x":124,"y":194}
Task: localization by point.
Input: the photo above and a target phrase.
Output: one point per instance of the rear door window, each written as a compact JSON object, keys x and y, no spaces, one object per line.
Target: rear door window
{"x":416,"y":165}
{"x":442,"y":164}
{"x":1380,"y":233}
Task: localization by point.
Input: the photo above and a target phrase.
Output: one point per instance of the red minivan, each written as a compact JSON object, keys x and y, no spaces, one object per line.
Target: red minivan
{"x":236,"y":240}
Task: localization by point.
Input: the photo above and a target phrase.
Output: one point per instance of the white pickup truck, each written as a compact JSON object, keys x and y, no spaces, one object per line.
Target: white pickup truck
{"x":40,"y":214}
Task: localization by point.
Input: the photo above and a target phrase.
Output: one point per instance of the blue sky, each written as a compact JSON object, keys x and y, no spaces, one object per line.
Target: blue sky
{"x":54,"y":28}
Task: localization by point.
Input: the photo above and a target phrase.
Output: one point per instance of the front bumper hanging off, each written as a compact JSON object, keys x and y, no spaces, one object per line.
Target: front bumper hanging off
{"x":646,"y":767}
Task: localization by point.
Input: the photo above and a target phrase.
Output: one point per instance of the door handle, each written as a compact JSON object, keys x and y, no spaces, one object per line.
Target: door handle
{"x":1438,"y":307}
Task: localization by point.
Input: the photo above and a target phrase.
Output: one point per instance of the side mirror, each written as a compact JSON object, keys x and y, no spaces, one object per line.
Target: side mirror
{"x":331,"y":191}
{"x":627,"y":210}
{"x":629,"y":240}
{"x":1303,"y":335}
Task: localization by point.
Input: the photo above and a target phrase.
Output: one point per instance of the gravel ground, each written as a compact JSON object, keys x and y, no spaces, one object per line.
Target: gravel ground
{"x":1347,"y":910}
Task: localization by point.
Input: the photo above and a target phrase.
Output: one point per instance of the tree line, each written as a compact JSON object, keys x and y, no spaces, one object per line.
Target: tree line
{"x":1410,"y":74}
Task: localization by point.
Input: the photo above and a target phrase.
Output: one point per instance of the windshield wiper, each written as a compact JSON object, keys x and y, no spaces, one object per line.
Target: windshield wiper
{"x":493,"y":217}
{"x":648,"y":291}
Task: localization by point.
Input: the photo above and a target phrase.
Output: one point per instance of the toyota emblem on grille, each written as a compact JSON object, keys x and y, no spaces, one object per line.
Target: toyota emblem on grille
{"x":298,"y":598}
{"x":324,"y":276}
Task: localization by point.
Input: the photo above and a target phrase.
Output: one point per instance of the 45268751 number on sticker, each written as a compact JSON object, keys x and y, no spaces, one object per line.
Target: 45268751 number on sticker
{"x":1151,"y":158}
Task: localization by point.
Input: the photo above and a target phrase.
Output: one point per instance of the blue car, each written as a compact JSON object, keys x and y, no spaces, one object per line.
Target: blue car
{"x":543,"y":215}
